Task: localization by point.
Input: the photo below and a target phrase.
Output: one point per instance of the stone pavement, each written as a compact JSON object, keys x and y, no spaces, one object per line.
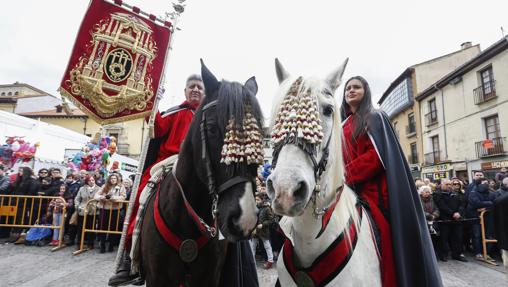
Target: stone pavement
{"x":37,"y":266}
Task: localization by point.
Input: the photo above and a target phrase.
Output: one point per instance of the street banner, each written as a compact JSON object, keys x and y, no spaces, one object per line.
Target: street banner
{"x":117,"y":63}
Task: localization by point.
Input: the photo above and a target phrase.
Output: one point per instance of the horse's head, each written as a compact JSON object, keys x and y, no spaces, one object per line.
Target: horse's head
{"x":227,"y":150}
{"x":306,"y":140}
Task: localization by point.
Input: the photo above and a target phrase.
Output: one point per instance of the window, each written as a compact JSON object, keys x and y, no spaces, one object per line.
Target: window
{"x":9,"y":94}
{"x":492,"y":129}
{"x":414,"y":154}
{"x":432,"y":107}
{"x":411,"y":123}
{"x":487,"y":80}
{"x":399,"y":98}
{"x":435,"y":148}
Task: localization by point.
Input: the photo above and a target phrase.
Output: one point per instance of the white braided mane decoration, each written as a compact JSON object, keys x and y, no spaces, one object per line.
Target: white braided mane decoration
{"x":244,"y":145}
{"x":297,"y":120}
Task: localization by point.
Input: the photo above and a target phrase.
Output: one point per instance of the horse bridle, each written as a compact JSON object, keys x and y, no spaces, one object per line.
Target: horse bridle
{"x":319,"y":167}
{"x":215,"y":190}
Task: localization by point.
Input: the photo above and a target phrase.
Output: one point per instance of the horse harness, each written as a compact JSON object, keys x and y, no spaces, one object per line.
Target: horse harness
{"x":188,"y":249}
{"x":333,"y":260}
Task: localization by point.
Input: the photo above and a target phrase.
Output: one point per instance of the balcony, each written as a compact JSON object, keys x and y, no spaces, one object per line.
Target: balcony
{"x":412,"y":159}
{"x":433,"y":158}
{"x":483,"y":94}
{"x":431,"y":118}
{"x":493,"y":147}
{"x":410,"y":130}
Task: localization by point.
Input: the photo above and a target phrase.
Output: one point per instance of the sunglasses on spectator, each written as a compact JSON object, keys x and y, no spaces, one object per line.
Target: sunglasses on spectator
{"x":456,"y":183}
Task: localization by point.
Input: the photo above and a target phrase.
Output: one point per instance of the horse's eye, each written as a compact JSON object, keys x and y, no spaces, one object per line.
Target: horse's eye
{"x":328,"y":111}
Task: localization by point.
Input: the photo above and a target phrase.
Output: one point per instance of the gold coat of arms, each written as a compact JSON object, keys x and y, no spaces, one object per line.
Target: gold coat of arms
{"x":116,"y":64}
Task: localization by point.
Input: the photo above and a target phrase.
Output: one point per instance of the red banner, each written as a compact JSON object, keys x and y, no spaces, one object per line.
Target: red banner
{"x":116,"y":64}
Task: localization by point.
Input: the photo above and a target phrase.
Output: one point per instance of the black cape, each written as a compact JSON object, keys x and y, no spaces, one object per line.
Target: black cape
{"x":415,"y":261}
{"x":239,"y":268}
{"x":501,"y":221}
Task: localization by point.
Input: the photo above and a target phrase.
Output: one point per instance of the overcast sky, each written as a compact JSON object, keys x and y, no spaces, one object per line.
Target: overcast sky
{"x":239,"y":39}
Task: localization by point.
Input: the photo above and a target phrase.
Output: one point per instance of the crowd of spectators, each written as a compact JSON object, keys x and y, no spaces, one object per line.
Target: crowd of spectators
{"x":452,"y":209}
{"x":76,"y":189}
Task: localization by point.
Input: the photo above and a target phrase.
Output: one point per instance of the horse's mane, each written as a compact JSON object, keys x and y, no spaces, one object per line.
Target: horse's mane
{"x":231,"y":100}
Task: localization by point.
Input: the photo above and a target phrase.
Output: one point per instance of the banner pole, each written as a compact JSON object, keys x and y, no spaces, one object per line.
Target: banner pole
{"x":144,"y":150}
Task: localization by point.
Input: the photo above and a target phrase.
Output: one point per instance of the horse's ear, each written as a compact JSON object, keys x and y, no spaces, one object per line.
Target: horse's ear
{"x":209,"y":80}
{"x":251,"y":85}
{"x":335,"y":78}
{"x":282,"y":74}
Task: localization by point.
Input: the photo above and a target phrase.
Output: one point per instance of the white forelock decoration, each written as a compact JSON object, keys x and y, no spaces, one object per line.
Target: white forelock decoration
{"x":244,"y":145}
{"x":298,"y":118}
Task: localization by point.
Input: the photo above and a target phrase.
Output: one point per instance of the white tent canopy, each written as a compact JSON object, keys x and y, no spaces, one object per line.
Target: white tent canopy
{"x":53,"y":140}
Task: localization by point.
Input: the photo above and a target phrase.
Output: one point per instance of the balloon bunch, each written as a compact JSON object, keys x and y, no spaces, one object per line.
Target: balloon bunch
{"x":95,"y":155}
{"x":17,"y":149}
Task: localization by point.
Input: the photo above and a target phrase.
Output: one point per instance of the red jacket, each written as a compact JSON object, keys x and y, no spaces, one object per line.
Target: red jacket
{"x":364,"y":172}
{"x":173,"y":127}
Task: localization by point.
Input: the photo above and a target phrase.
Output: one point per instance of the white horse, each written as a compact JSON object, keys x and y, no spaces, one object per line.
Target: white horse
{"x":330,"y":238}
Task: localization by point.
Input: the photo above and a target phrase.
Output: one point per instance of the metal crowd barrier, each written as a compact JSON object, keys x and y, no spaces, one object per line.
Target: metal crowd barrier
{"x":96,"y":213}
{"x":485,"y":240}
{"x":21,"y":211}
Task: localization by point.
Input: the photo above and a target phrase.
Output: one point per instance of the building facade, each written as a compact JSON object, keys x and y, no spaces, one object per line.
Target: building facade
{"x":398,"y":100}
{"x":465,"y":117}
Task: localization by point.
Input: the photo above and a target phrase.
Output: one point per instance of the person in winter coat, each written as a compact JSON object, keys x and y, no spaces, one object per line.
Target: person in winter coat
{"x":85,"y":193}
{"x":501,"y":226}
{"x":479,"y":200}
{"x":429,"y":207}
{"x":5,"y":183}
{"x":42,"y":173}
{"x":501,"y":174}
{"x":55,"y":212}
{"x":503,"y":188}
{"x":26,"y":184}
{"x":265,"y":220}
{"x":452,"y":204}
{"x":56,"y":181}
{"x":109,"y":219}
{"x":477,"y":180}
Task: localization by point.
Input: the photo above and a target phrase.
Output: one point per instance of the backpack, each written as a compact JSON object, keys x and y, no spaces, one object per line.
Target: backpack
{"x":38,"y":236}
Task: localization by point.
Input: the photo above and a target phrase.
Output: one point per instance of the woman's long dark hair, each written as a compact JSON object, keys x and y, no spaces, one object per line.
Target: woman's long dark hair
{"x":360,"y":117}
{"x":25,"y":176}
{"x":107,"y":186}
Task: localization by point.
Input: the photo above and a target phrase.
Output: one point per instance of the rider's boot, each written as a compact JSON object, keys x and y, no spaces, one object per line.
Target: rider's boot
{"x":123,"y":274}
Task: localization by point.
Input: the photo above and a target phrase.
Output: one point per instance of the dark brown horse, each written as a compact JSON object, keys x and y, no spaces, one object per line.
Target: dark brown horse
{"x":204,"y":183}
